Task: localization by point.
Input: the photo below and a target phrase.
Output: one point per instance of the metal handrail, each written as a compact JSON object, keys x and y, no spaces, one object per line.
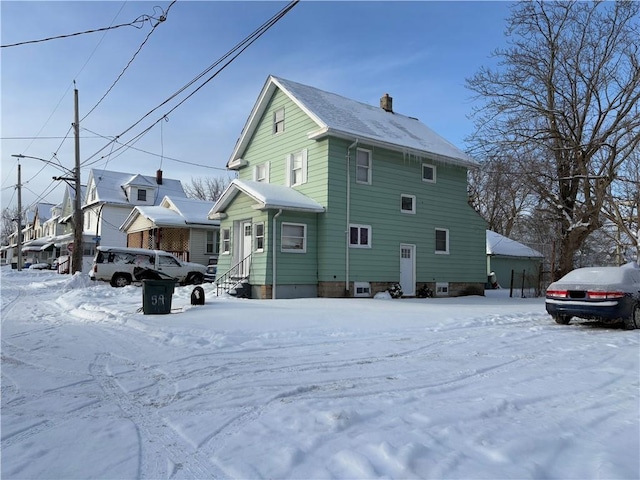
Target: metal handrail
{"x":233,"y":274}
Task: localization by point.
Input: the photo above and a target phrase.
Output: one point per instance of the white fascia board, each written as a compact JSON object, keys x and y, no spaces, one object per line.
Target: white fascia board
{"x":237,"y":164}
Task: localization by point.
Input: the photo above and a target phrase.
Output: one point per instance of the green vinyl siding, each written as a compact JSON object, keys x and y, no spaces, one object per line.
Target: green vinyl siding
{"x":265,"y":146}
{"x":442,"y":204}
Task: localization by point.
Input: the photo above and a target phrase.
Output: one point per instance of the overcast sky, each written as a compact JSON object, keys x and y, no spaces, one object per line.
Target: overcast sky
{"x":418,"y":52}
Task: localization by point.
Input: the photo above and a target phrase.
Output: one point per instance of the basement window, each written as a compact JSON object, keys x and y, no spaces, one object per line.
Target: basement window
{"x":361,"y":289}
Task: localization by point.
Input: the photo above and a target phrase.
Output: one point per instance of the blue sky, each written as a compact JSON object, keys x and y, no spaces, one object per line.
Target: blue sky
{"x":418,"y":52}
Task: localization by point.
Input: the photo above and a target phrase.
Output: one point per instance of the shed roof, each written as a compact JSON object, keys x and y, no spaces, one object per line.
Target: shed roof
{"x":500,"y":245}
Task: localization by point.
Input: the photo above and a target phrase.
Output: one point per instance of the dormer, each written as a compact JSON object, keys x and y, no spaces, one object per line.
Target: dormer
{"x":140,"y":191}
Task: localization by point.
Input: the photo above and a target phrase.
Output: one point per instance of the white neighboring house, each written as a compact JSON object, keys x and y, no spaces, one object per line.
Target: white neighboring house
{"x":110,"y":197}
{"x":178,"y":225}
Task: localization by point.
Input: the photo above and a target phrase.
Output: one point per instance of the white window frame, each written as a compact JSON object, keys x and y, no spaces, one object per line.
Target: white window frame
{"x":278,"y":121}
{"x":291,"y":163}
{"x":225,"y":237}
{"x":360,"y":228}
{"x":303,"y":249}
{"x":258,"y":238}
{"x":261,"y":172}
{"x":413,"y":204}
{"x":446,"y":231}
{"x":368,"y":167}
{"x":433,"y":170}
{"x":209,"y":241}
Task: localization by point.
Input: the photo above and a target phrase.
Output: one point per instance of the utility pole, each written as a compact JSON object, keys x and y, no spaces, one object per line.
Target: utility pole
{"x":76,"y":258}
{"x":19,"y":237}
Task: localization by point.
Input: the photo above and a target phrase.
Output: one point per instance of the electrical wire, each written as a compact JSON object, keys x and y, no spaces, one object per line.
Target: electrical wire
{"x":161,"y":19}
{"x":113,"y":140}
{"x":232,"y":54}
{"x":140,"y":20}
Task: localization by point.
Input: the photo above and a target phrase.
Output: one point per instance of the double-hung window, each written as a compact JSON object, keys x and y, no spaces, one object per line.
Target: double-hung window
{"x":258,"y":233}
{"x":294,"y":237}
{"x":363,"y":166}
{"x":278,"y":121}
{"x":210,"y":242}
{"x":226,"y":240}
{"x":360,"y":236}
{"x":442,"y":240}
{"x":142,"y":195}
{"x":297,"y":168}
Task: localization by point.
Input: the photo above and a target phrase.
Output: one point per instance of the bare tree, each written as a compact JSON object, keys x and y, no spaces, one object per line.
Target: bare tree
{"x":564,"y":102}
{"x":8,"y":224}
{"x":207,"y":188}
{"x":498,"y":195}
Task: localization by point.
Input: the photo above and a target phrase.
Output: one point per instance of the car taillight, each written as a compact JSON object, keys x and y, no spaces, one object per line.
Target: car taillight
{"x":604,"y":295}
{"x":557,"y":293}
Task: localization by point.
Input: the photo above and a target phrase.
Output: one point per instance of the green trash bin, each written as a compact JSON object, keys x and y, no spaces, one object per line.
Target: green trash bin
{"x":156,"y":296}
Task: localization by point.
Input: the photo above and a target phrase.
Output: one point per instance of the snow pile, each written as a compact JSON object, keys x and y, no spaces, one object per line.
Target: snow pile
{"x":473,"y":387}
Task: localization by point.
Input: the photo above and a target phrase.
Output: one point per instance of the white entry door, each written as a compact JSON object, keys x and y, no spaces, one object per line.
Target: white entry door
{"x":246,"y":247}
{"x":408,"y":269}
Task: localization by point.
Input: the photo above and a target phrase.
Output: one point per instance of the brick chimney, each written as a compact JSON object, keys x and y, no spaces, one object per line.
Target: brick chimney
{"x":159,"y":177}
{"x":386,"y":103}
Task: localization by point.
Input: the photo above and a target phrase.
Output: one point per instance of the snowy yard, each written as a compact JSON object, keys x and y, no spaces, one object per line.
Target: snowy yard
{"x":474,"y":388}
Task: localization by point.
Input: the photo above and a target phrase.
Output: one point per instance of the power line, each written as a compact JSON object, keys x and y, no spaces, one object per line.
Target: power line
{"x":140,"y":20}
{"x":161,"y":19}
{"x":231,"y":55}
{"x":115,"y":141}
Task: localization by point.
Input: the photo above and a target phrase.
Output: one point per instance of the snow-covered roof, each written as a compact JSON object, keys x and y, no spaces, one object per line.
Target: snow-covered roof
{"x":178,"y":212}
{"x":110,"y":186}
{"x":267,"y":196}
{"x":191,"y":209}
{"x":342,"y":117}
{"x":500,"y":245}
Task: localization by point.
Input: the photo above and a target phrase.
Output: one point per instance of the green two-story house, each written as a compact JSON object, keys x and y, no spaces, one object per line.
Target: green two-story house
{"x":338,"y":198}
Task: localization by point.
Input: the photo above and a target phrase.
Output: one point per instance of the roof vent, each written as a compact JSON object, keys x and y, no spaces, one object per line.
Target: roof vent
{"x":386,"y":103}
{"x":159,"y":177}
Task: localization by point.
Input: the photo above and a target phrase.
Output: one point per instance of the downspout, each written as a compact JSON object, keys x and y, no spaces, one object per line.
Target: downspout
{"x":348,"y":215}
{"x":274,"y":249}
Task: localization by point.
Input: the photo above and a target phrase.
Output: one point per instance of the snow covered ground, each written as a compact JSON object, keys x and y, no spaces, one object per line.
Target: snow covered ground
{"x":474,"y":388}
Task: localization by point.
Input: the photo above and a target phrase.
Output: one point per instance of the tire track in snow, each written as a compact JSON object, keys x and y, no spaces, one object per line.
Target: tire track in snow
{"x":162,"y":452}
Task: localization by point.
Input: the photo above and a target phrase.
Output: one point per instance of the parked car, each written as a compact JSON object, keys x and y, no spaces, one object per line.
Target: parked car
{"x":606,"y":294}
{"x":210,"y":275}
{"x":121,"y":266}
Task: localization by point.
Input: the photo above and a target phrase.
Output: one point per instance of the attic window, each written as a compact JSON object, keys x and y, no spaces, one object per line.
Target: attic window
{"x":142,"y":195}
{"x":428,"y":173}
{"x":278,"y":121}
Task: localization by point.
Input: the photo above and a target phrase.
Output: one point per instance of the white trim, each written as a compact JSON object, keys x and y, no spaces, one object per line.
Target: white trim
{"x":433,"y":169}
{"x":359,"y":227}
{"x":369,"y":167}
{"x":413,"y":204}
{"x":304,"y":238}
{"x":441,"y":252}
{"x":255,"y":237}
{"x":224,"y":251}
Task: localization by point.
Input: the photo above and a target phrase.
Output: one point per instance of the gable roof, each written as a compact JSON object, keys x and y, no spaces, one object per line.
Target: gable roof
{"x":500,"y":245}
{"x":345,"y":118}
{"x":110,"y":186}
{"x":267,"y":196}
{"x":177,"y":212}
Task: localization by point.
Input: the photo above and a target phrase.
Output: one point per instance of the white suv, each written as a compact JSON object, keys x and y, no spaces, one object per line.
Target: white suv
{"x":120,"y":266}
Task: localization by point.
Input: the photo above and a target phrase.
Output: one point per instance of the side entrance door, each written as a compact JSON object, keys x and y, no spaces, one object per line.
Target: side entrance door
{"x":408,"y":269}
{"x":245,"y":249}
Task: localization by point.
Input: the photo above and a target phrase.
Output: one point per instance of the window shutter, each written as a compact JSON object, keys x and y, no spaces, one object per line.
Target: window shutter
{"x":266,"y":171}
{"x":304,"y":166}
{"x":289,"y":166}
{"x":255,"y":173}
